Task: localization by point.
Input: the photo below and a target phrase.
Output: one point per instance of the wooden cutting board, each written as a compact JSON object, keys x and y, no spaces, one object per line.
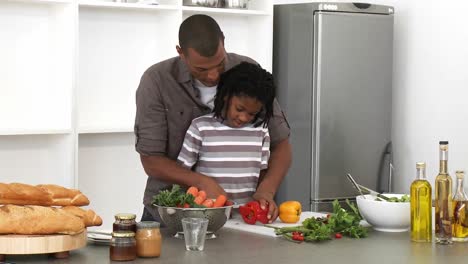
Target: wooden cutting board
{"x":40,"y":244}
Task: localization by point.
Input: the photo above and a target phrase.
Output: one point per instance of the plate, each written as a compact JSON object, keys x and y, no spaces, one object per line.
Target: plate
{"x":99,"y":242}
{"x":102,"y":237}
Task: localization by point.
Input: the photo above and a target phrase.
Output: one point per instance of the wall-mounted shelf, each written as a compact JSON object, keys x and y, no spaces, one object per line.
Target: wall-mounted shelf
{"x":89,"y":130}
{"x":13,"y":132}
{"x":224,"y":11}
{"x":41,"y":1}
{"x":129,"y":6}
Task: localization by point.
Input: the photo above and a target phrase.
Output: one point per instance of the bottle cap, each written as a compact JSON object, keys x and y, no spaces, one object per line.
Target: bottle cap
{"x":420,"y":165}
{"x":125,"y":216}
{"x":443,"y":142}
{"x":460,"y":174}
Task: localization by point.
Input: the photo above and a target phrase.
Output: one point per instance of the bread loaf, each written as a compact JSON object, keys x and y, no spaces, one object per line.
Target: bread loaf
{"x":38,"y":220}
{"x":89,"y":217}
{"x":45,"y":195}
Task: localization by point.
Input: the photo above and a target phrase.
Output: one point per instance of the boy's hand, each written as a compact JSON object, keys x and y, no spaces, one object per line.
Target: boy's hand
{"x":266,"y":201}
{"x":211,"y":187}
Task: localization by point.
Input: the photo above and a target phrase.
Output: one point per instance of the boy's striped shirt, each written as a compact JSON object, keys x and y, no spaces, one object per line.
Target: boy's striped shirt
{"x":234,"y":156}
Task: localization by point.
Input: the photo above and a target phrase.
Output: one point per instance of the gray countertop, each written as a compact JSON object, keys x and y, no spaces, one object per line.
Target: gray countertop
{"x":241,"y":247}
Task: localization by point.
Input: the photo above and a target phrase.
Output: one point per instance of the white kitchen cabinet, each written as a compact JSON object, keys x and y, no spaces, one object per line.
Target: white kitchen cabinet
{"x":68,"y":74}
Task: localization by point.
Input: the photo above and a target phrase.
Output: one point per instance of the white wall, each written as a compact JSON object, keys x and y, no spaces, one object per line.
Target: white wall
{"x":430,"y":79}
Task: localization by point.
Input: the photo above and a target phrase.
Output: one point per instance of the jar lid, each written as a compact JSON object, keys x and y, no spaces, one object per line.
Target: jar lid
{"x":147,"y":224}
{"x":125,"y":216}
{"x":123,"y":234}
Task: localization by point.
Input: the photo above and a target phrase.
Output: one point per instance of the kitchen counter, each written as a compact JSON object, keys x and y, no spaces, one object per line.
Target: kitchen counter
{"x":241,"y":247}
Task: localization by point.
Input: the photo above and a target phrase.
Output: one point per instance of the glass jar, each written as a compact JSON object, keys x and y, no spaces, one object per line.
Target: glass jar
{"x":123,"y":246}
{"x":124,"y":222}
{"x":148,"y":239}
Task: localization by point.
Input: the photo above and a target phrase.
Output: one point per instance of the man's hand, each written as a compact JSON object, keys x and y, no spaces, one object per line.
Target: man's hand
{"x":211,"y":187}
{"x":266,"y":201}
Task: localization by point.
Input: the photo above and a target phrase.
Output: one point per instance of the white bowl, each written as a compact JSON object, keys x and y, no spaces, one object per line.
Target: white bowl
{"x":385,"y":216}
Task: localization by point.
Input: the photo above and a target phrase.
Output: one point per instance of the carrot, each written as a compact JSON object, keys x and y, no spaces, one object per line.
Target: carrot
{"x":193,"y":191}
{"x":201,"y":197}
{"x":220,"y":201}
{"x":208,"y":203}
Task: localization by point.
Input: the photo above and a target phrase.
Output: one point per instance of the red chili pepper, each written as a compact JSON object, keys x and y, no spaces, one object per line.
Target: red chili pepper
{"x":252,"y":212}
{"x":338,"y":236}
{"x":298,"y":236}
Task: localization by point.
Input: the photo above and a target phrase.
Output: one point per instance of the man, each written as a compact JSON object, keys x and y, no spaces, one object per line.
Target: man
{"x":175,"y":91}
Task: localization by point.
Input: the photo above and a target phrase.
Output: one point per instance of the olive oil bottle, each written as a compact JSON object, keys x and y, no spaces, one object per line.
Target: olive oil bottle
{"x":443,"y":199}
{"x":421,"y":206}
{"x":460,"y":211}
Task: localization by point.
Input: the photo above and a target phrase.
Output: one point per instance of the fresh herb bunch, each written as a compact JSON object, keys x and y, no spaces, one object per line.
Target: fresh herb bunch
{"x":347,"y":223}
{"x":316,"y":229}
{"x":173,"y":197}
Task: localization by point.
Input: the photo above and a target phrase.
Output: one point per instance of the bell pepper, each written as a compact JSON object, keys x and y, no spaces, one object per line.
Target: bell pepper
{"x":252,"y":212}
{"x":290,"y":212}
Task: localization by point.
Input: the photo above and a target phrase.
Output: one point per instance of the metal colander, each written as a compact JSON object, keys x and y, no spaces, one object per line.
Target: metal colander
{"x":172,"y":217}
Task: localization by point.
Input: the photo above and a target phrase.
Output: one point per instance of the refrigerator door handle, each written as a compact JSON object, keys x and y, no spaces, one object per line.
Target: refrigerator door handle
{"x":390,"y":177}
{"x":385,"y":177}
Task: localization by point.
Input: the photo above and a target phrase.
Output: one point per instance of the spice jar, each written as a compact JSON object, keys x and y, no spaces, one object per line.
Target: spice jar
{"x":148,"y":239}
{"x":124,"y":222}
{"x":123,"y":246}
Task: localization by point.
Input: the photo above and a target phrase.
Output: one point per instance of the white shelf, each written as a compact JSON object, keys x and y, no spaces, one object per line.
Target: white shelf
{"x":6,"y":132}
{"x":90,"y":130}
{"x":223,"y":11}
{"x":129,"y":6}
{"x":41,"y":1}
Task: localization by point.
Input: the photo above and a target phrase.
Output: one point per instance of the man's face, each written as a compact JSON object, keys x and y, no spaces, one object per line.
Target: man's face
{"x":242,"y":111}
{"x":205,"y":69}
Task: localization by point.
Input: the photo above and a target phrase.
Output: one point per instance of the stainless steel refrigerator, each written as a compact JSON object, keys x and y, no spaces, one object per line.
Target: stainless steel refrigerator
{"x":332,"y":65}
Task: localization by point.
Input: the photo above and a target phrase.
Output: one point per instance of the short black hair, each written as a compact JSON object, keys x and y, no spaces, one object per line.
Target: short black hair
{"x":246,"y":79}
{"x":202,"y":33}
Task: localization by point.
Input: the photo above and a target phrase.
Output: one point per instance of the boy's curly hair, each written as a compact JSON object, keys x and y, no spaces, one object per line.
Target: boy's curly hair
{"x":246,"y":79}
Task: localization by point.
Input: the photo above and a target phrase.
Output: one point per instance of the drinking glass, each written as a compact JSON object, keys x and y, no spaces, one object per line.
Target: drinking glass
{"x":194,"y":233}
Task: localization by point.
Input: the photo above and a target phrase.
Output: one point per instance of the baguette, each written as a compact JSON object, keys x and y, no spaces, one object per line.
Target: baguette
{"x":44,"y":195}
{"x":89,"y":217}
{"x":38,"y":220}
